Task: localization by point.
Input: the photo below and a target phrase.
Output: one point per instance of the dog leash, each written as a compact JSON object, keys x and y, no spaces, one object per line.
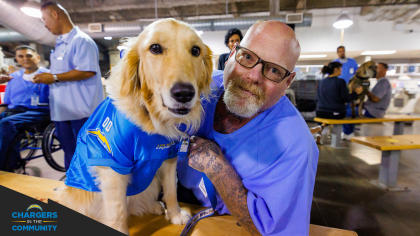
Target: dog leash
{"x":211,"y":194}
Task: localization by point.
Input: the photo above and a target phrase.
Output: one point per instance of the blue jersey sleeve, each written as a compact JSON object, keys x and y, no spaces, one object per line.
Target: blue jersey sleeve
{"x":85,"y":55}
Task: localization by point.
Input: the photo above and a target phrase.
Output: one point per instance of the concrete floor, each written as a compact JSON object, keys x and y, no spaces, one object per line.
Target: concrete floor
{"x":343,"y":197}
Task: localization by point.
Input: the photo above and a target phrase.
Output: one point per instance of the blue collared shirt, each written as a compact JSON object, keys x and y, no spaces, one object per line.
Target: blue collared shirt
{"x":276,"y":158}
{"x":348,"y":69}
{"x":74,"y":100}
{"x":19,"y":91}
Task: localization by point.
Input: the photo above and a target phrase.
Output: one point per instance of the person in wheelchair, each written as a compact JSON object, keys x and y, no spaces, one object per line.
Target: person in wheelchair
{"x":27,"y":104}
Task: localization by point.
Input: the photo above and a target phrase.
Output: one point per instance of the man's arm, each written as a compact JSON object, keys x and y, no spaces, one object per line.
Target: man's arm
{"x":372,"y":97}
{"x":205,"y":156}
{"x":73,"y":75}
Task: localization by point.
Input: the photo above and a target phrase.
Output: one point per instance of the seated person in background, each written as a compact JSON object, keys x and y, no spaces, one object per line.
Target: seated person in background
{"x":264,"y":170}
{"x":332,"y":95}
{"x":232,"y":37}
{"x":378,"y":100}
{"x":22,"y":98}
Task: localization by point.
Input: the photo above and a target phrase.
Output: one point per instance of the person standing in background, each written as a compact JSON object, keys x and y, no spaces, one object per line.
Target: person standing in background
{"x":232,"y":36}
{"x":75,"y":78}
{"x":349,"y":64}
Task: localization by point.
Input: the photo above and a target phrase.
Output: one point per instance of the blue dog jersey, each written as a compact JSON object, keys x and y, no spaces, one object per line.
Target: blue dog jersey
{"x":108,"y":138}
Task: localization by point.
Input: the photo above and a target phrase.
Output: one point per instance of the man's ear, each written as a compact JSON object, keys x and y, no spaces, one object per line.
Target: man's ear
{"x":54,"y":14}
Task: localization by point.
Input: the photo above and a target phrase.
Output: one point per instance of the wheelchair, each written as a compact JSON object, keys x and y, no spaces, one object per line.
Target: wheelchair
{"x":27,"y":143}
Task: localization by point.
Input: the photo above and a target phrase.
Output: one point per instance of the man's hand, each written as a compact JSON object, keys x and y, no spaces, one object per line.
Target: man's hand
{"x":43,"y":78}
{"x":359,"y":90}
{"x":205,"y":156}
{"x":5,"y":78}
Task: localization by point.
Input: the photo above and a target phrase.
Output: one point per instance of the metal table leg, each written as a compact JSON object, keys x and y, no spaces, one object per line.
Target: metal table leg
{"x":388,"y":172}
{"x":336,"y":136}
{"x":399,"y":127}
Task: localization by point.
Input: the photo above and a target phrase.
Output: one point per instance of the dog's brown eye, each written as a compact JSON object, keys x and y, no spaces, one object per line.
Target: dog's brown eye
{"x":155,"y":49}
{"x":195,"y":51}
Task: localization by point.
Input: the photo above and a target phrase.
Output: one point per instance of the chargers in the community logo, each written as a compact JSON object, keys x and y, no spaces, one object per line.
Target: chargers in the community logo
{"x":34,"y":206}
{"x":34,"y":220}
{"x":102,"y":139}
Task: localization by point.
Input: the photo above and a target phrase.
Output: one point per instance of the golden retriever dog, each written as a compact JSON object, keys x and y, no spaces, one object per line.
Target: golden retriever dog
{"x":361,"y":78}
{"x":158,"y":84}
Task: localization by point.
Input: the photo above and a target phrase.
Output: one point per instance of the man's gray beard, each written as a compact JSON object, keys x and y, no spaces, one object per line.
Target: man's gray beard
{"x":243,"y":106}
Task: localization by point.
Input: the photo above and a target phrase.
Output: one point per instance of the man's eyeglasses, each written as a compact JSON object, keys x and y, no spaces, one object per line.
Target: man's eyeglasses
{"x":271,"y":71}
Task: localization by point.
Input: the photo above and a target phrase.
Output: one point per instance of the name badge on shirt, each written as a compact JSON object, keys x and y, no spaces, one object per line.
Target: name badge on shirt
{"x":34,"y":100}
{"x":61,"y":56}
{"x":351,"y":70}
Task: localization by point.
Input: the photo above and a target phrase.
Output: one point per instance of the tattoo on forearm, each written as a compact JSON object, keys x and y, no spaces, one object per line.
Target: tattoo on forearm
{"x":234,"y":194}
{"x":211,"y":161}
{"x":217,"y":167}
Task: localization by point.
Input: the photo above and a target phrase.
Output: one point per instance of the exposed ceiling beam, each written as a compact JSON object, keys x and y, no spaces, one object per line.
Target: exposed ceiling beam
{"x":274,"y":7}
{"x":410,"y":19}
{"x":167,"y":4}
{"x":300,"y":6}
{"x":235,"y":9}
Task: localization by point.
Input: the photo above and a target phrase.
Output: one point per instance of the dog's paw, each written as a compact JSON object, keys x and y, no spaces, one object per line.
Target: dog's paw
{"x":158,"y":208}
{"x":180,"y":218}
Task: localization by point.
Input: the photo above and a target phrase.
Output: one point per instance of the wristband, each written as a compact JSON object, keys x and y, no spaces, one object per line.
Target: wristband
{"x":56,"y":79}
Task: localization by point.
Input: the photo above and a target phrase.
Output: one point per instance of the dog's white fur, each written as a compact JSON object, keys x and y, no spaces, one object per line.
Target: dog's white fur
{"x":140,"y":87}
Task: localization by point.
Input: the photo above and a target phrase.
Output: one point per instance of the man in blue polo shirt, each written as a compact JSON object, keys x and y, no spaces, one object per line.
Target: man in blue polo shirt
{"x":24,"y":100}
{"x":75,"y":78}
{"x":349,"y":64}
{"x":253,"y":144}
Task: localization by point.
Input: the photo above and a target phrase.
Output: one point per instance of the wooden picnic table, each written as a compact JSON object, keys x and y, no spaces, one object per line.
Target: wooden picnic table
{"x":42,"y":189}
{"x":338,"y":128}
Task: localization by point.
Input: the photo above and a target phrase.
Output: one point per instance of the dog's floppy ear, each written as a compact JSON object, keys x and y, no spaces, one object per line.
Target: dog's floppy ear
{"x":131,"y":80}
{"x":208,"y":71}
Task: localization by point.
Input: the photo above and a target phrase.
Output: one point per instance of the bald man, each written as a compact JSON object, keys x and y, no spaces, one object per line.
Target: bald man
{"x":75,"y":78}
{"x":254,"y":145}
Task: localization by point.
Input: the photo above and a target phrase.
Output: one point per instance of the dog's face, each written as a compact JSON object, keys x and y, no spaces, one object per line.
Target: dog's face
{"x":367,"y":70}
{"x":169,"y":67}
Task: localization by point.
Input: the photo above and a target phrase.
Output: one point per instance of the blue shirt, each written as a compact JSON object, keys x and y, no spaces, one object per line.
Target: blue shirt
{"x":74,"y":100}
{"x":19,"y":91}
{"x":108,"y":138}
{"x":275,"y":156}
{"x":348,"y":69}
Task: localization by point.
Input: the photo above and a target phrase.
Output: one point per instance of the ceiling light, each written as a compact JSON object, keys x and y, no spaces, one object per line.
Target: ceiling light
{"x":32,"y":8}
{"x":313,"y":56}
{"x":343,"y":21}
{"x":108,"y":38}
{"x":379,"y":52}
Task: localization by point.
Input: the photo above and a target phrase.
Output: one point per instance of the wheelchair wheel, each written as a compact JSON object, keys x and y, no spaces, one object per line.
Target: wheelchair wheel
{"x":23,"y":145}
{"x":50,"y":145}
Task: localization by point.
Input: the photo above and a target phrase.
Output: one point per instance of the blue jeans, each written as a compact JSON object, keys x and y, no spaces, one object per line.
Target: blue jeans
{"x":349,"y":128}
{"x":67,"y":132}
{"x":11,"y":123}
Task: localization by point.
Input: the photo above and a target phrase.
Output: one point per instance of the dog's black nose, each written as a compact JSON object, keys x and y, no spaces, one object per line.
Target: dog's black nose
{"x":183,"y":92}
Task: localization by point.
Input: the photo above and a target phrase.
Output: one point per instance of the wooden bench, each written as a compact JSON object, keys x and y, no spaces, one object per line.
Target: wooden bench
{"x":391,"y":147}
{"x":338,"y":128}
{"x":42,"y":189}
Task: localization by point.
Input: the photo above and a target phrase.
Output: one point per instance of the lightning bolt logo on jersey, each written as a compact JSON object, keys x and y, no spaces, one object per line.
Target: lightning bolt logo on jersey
{"x":109,"y":138}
